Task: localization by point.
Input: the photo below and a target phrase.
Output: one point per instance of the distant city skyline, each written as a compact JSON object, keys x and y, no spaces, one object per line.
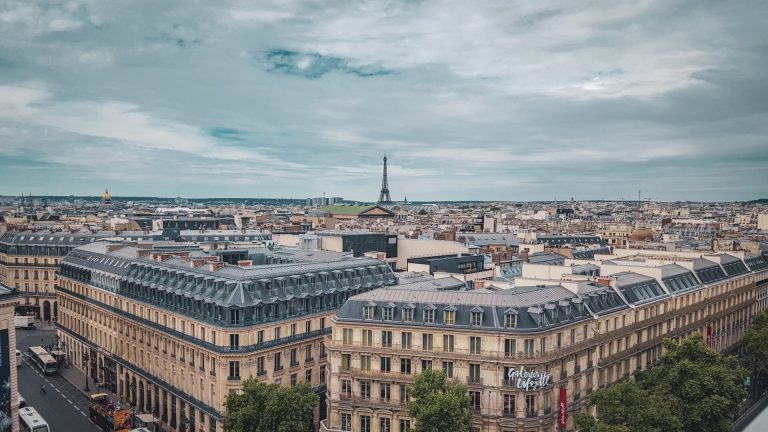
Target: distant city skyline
{"x":483,"y":100}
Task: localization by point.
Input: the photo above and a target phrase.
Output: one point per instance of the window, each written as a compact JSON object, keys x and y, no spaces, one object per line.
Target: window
{"x":448,"y":343}
{"x":476,"y":319}
{"x":234,"y":369}
{"x":449,"y":317}
{"x":426,"y":364}
{"x":367,"y":338}
{"x":510,"y":347}
{"x":278,"y":362}
{"x":386,"y":339}
{"x":385,"y":364}
{"x":543,"y":345}
{"x":365,"y":390}
{"x":294,"y":357}
{"x":365,"y":362}
{"x":474,"y":372}
{"x":474,"y":397}
{"x":429,"y":315}
{"x":294,"y":379}
{"x":322,"y":374}
{"x":385,"y":391}
{"x":346,"y":389}
{"x":426,"y":341}
{"x":346,"y":422}
{"x":404,"y":425}
{"x":345,"y":361}
{"x":260,"y":366}
{"x":528,"y":346}
{"x":277,"y":334}
{"x":404,"y":395}
{"x":530,"y":405}
{"x":509,"y":405}
{"x":260,"y":337}
{"x":385,"y":424}
{"x":475,"y":344}
{"x":365,"y":423}
{"x":308,"y":353}
{"x":388,"y":313}
{"x":407,"y":314}
{"x":368,"y":314}
{"x":510,"y":320}
{"x":448,"y":368}
{"x":234,"y":342}
{"x":405,"y":365}
{"x":405,"y":340}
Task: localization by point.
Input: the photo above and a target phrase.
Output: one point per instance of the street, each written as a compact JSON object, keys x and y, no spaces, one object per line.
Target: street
{"x":63,"y":406}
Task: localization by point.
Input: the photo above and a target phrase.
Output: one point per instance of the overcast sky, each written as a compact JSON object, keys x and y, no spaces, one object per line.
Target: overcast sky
{"x":507,"y":100}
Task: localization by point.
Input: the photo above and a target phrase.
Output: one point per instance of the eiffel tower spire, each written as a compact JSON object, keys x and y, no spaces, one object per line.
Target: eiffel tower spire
{"x":384,"y":195}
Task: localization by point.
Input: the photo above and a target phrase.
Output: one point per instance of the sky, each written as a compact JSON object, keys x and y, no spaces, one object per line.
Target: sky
{"x":469,"y":100}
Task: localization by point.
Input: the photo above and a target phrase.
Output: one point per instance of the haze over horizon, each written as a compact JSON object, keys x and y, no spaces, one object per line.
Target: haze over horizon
{"x":469,"y":100}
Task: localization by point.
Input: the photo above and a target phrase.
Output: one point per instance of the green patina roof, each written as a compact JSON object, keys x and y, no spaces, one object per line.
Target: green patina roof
{"x":347,"y":209}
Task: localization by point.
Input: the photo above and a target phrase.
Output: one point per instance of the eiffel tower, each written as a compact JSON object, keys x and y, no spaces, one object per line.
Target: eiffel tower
{"x":384,"y":195}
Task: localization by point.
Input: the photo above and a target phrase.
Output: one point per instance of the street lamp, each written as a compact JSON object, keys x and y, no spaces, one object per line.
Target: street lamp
{"x":85,"y":366}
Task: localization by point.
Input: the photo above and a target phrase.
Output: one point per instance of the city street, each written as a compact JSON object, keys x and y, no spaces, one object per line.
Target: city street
{"x":63,"y":406}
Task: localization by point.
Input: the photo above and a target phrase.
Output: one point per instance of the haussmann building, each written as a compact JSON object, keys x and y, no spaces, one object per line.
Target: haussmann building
{"x":531,"y":355}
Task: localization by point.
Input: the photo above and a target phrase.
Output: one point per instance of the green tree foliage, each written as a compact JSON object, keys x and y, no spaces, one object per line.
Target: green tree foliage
{"x":587,"y":423}
{"x":628,"y":405}
{"x":437,"y":405}
{"x":703,"y":387}
{"x":755,"y":345}
{"x":422,"y":212}
{"x":693,"y":388}
{"x":271,"y":408}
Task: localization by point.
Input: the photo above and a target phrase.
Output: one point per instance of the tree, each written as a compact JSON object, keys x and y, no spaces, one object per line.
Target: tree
{"x":271,"y":408}
{"x":629,"y":406}
{"x":692,"y":388}
{"x":754,"y":344}
{"x":587,"y":423}
{"x":422,"y":212}
{"x":702,"y":386}
{"x":437,"y":405}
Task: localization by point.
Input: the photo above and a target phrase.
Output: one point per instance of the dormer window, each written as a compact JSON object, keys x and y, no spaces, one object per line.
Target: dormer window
{"x":510,"y":321}
{"x":449,"y":317}
{"x":476,"y":318}
{"x":408,"y":313}
{"x":429,"y":315}
{"x":387,"y":313}
{"x":368,"y":312}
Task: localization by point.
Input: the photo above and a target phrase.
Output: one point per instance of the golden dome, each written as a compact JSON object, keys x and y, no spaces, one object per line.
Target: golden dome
{"x":106,"y":196}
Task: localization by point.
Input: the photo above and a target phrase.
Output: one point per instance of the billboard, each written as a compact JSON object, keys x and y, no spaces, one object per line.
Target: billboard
{"x":563,"y":406}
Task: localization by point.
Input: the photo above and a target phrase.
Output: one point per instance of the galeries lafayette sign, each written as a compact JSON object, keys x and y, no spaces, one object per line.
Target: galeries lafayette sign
{"x":528,"y":379}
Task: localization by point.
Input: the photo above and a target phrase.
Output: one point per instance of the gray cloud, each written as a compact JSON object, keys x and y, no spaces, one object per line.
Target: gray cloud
{"x":475,"y":100}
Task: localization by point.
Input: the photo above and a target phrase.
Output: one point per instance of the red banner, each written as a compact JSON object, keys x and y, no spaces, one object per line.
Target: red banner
{"x":709,"y":336}
{"x":563,"y":408}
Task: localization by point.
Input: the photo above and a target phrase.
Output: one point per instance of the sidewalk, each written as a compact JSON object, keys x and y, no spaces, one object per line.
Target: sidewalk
{"x":76,"y":377}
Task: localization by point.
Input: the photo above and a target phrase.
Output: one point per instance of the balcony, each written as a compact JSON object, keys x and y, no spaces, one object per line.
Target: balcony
{"x":474,"y":381}
{"x":233,"y":378}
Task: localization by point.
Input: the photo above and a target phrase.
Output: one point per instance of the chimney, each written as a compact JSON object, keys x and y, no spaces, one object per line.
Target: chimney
{"x":215,"y":266}
{"x":524,"y":255}
{"x":477,"y":284}
{"x":144,"y":253}
{"x":211,"y":258}
{"x":195,"y":263}
{"x":245,"y":263}
{"x":604,"y":281}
